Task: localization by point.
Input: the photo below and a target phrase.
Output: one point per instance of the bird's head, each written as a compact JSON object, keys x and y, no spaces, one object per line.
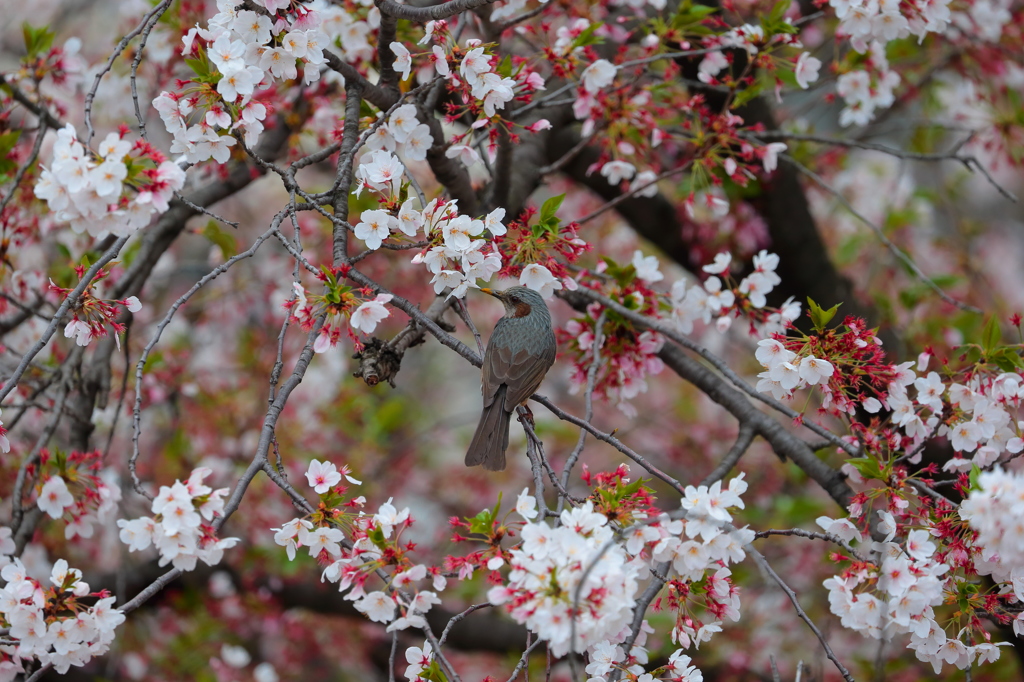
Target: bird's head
{"x":519,"y":301}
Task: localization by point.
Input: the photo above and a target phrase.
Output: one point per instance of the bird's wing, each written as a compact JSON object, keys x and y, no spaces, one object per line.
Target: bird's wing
{"x":498,"y":366}
{"x":521,"y":370}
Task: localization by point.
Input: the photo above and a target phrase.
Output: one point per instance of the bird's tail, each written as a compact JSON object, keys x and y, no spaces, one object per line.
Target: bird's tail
{"x":491,"y":438}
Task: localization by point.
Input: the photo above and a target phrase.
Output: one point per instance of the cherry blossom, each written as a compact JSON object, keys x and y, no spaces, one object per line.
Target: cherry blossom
{"x":54,"y":497}
{"x":374,"y":227}
{"x":540,"y":279}
{"x":322,"y":476}
{"x":368,"y":315}
{"x":598,"y":75}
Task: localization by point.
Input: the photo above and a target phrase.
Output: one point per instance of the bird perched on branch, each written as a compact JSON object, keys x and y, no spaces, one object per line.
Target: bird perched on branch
{"x":521,"y":350}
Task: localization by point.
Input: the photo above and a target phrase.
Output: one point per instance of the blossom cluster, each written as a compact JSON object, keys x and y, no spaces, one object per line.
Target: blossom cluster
{"x":885,"y":20}
{"x":865,"y":90}
{"x":479,"y":83}
{"x":754,"y":41}
{"x":457,"y":258}
{"x":715,"y":299}
{"x":337,"y":303}
{"x":403,"y":133}
{"x":976,"y":417}
{"x":180,"y":528}
{"x":627,"y":113}
{"x":871,"y":24}
{"x":577,"y":577}
{"x":349,"y":28}
{"x":238,"y":53}
{"x":51,"y":624}
{"x":977,"y":422}
{"x":995,"y":511}
{"x":931,"y":551}
{"x":785,"y":371}
{"x":114,"y":190}
{"x":627,"y":358}
{"x":475,"y":70}
{"x":846,"y":363}
{"x":572,"y":573}
{"x":93,"y":314}
{"x":700,"y":548}
{"x":908,"y":582}
{"x":896,"y":591}
{"x":95,"y":498}
{"x":351,"y":564}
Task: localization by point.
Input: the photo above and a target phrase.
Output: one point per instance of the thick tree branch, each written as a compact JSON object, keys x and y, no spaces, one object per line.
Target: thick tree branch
{"x":425,"y":14}
{"x":782,"y":441}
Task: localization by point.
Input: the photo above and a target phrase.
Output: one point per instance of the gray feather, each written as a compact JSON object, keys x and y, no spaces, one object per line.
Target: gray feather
{"x":491,"y":438}
{"x":520,"y":352}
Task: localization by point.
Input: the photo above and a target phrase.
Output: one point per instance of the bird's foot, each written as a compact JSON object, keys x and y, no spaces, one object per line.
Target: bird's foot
{"x":526,"y":414}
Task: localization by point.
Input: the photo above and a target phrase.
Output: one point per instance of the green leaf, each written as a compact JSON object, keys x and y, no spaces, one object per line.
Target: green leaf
{"x":866,"y":467}
{"x":550,"y":207}
{"x":624,"y":276}
{"x":505,"y":67}
{"x":746,"y":94}
{"x":689,"y":14}
{"x":787,"y":77}
{"x":225,"y":242}
{"x":631,"y":489}
{"x":779,"y":11}
{"x":8,"y":140}
{"x":990,"y":335}
{"x":201,"y":67}
{"x":820,"y":317}
{"x":972,"y":354}
{"x":37,"y":40}
{"x":331,"y":279}
{"x":973,"y":477}
{"x":482,"y":523}
{"x":587,"y":37}
{"x":433,"y":672}
{"x":377,"y":537}
{"x":1007,"y":359}
{"x":702,"y":11}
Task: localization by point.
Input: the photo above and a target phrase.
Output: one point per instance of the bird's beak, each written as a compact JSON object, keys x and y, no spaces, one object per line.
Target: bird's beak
{"x":491,"y":292}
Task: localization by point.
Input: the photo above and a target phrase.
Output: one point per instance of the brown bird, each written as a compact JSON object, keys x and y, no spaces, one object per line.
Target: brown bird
{"x":521,"y":350}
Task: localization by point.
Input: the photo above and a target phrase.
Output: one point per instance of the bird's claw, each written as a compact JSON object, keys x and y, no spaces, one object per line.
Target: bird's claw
{"x":526,"y":415}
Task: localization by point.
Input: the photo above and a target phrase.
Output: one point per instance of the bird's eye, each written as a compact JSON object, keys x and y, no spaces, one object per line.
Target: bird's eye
{"x":514,"y":299}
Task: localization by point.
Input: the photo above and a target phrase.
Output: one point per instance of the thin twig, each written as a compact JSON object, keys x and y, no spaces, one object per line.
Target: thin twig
{"x":457,"y":618}
{"x":880,"y":233}
{"x":611,"y":440}
{"x":68,"y":303}
{"x":144,"y":357}
{"x":813,"y":535}
{"x":716,"y":362}
{"x":743,"y":441}
{"x":766,"y":567}
{"x":152,"y":15}
{"x":633,"y":191}
{"x":23,"y":168}
{"x":391,"y":658}
{"x":463,"y":311}
{"x":523,"y":660}
{"x":588,"y":398}
{"x":532,"y":451}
